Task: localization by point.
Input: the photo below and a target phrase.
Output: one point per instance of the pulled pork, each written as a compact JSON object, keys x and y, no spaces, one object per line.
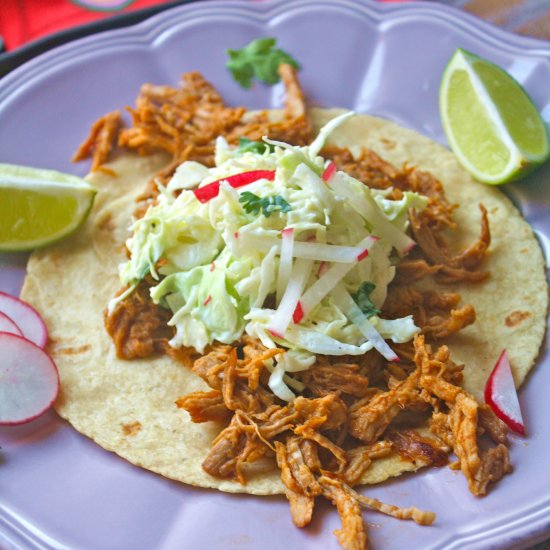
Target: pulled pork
{"x":185,"y":122}
{"x":324,"y":445}
{"x":437,"y":313}
{"x":99,"y":142}
{"x":139,"y":327}
{"x":353,"y":411}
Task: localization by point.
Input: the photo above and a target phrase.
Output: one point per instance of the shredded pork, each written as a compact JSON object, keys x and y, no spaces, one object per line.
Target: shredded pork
{"x":137,"y":326}
{"x":99,"y":142}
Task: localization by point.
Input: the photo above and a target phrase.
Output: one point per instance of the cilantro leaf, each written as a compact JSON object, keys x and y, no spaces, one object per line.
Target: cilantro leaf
{"x":248,"y":146}
{"x":260,"y":59}
{"x":265,"y":205}
{"x":362,"y":298}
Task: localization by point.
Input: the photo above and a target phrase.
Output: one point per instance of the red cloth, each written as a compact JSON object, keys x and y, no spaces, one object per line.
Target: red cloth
{"x":24,"y":20}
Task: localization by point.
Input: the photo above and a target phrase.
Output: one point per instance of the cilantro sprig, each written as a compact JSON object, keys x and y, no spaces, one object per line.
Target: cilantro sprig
{"x":249,"y":146}
{"x":362,"y":299}
{"x":260,"y":59}
{"x":265,"y":205}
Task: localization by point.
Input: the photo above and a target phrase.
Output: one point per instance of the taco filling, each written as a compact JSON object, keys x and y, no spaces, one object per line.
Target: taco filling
{"x":297,"y":294}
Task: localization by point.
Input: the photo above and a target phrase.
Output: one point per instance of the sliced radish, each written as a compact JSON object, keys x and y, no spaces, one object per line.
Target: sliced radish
{"x":501,"y":395}
{"x":332,"y":276}
{"x":328,"y":252}
{"x":330,"y":170}
{"x":364,"y":205}
{"x":285,"y":262}
{"x":25,"y":317}
{"x":347,"y":304}
{"x":320,"y":252}
{"x":29,"y":382}
{"x":211,"y":190}
{"x":285,"y":311}
{"x":7,"y":325}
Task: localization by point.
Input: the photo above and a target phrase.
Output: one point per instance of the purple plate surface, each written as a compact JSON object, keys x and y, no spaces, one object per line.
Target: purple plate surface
{"x":60,"y":490}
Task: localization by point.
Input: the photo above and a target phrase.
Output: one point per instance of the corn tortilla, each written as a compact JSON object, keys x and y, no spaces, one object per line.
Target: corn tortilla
{"x":128,"y":407}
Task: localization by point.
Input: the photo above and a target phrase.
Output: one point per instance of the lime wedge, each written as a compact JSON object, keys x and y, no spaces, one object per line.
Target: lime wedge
{"x":39,"y":207}
{"x":492,"y":125}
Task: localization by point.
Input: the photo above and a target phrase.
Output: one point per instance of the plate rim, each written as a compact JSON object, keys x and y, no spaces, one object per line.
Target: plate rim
{"x":147,"y":33}
{"x":150,"y":31}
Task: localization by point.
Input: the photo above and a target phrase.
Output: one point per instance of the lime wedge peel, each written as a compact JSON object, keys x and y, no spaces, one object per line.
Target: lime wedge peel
{"x":491,"y":124}
{"x":40,"y":207}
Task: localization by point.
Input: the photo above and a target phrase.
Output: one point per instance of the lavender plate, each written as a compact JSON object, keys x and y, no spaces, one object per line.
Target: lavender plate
{"x":58,"y":489}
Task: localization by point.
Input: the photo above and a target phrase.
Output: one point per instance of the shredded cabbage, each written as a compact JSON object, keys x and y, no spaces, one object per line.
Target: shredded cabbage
{"x":217,"y":264}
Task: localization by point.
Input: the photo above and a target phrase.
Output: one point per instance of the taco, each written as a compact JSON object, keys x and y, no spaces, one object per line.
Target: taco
{"x":196,"y":371}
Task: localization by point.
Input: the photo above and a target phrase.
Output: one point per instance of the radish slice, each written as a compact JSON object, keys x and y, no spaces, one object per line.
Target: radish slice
{"x":501,"y":395}
{"x":320,"y":252}
{"x":328,"y":252}
{"x":289,"y":302}
{"x":211,"y":190}
{"x":26,"y":318}
{"x":7,"y":325}
{"x":285,"y":262}
{"x":29,"y":382}
{"x":347,"y":304}
{"x":332,"y":276}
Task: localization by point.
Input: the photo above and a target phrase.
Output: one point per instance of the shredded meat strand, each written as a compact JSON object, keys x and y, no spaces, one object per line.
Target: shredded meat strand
{"x":99,"y":142}
{"x":436,"y":313}
{"x":137,"y":326}
{"x":411,"y":445}
{"x":418,"y":516}
{"x":301,"y":505}
{"x":295,"y":103}
{"x":451,"y":268}
{"x":300,"y":470}
{"x":205,"y":406}
{"x":325,"y":378}
{"x":359,"y":459}
{"x":369,"y":422}
{"x":352,"y":535}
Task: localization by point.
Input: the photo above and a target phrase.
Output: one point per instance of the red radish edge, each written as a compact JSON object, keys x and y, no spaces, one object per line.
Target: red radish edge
{"x":27,"y":319}
{"x":363,"y":255}
{"x":8,"y":326}
{"x":207,"y":300}
{"x":323,"y":266}
{"x":204,"y":194}
{"x":298,"y":314}
{"x":329,"y":171}
{"x":276,"y":334}
{"x":489,"y":394}
{"x":407,"y":249}
{"x":26,"y":342}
